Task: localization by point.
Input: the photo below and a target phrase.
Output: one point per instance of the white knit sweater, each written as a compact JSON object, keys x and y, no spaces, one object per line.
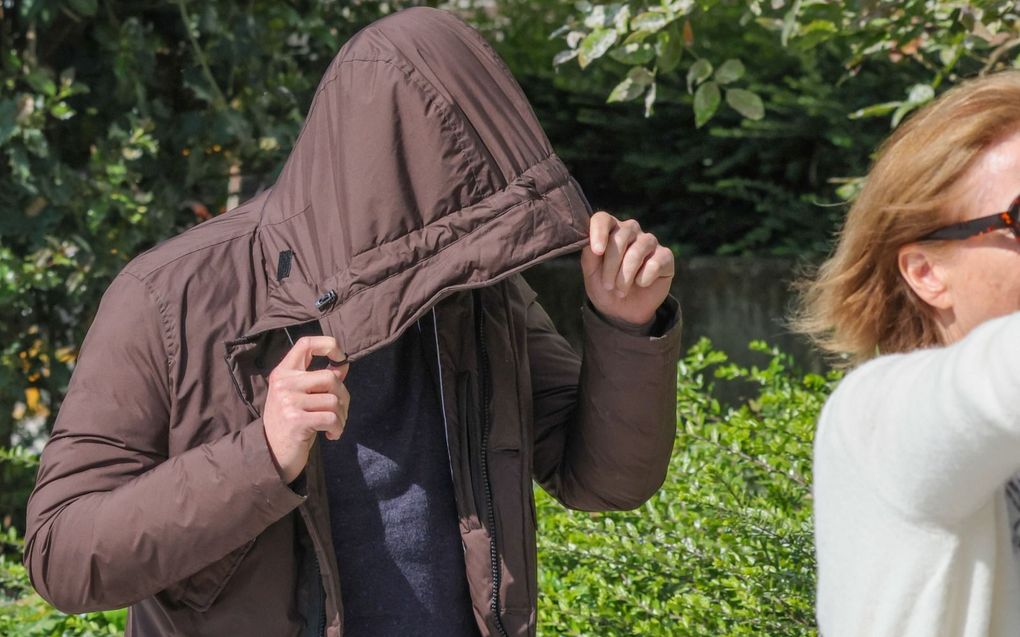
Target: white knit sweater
{"x":914,"y":504}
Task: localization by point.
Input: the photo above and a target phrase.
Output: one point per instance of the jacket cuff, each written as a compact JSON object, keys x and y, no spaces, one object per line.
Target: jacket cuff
{"x":276,"y":498}
{"x":666,"y":323}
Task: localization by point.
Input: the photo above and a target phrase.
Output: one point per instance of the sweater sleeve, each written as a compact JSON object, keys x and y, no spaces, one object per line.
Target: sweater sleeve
{"x":113,"y":518}
{"x":937,"y":431}
{"x":604,"y":425}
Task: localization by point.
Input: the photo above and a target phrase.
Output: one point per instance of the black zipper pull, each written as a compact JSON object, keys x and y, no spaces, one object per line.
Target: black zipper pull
{"x":325,"y":300}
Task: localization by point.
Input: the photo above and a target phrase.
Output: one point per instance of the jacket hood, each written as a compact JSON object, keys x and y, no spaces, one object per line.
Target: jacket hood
{"x":421,"y":169}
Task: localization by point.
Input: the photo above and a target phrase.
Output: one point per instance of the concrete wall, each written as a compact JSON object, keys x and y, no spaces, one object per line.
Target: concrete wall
{"x":731,"y":300}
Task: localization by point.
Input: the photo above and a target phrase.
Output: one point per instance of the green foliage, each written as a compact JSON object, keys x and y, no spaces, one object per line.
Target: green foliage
{"x":937,"y":36}
{"x":725,"y":547}
{"x":767,"y":112}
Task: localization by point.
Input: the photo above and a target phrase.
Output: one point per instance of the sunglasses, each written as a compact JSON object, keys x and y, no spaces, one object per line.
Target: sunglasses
{"x":1008,"y":220}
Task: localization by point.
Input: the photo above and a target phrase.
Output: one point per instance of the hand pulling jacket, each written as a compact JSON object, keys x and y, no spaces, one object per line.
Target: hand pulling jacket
{"x":421,"y":180}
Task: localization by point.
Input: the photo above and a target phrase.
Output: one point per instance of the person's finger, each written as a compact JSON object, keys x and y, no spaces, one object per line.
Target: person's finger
{"x":345,"y":404}
{"x":317,"y":382}
{"x":599,"y":228}
{"x":322,"y":402}
{"x":326,"y":421}
{"x":300,"y":355}
{"x":659,"y":265}
{"x":619,"y":241}
{"x":637,"y":253}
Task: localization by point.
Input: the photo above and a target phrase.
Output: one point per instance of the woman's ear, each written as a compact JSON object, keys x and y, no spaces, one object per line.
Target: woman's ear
{"x":923,"y":269}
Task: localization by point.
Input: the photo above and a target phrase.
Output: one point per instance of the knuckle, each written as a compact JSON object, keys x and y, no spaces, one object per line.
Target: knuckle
{"x":275,"y":380}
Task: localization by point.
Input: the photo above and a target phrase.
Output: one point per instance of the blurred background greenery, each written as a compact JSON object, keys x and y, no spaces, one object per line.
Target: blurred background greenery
{"x":727,"y":127}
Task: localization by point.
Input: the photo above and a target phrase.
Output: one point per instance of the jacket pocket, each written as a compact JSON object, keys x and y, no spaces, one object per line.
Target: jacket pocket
{"x":199,"y":591}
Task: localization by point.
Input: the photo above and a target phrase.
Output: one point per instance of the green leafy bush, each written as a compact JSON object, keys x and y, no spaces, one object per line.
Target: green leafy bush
{"x":725,"y":547}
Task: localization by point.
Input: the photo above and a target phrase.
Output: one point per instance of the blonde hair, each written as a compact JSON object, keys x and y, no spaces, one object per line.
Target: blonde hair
{"x":857,"y":304}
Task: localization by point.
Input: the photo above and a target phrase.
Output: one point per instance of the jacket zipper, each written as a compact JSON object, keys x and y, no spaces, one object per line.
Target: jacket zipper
{"x":321,"y":632}
{"x":316,"y":540}
{"x":486,"y":425}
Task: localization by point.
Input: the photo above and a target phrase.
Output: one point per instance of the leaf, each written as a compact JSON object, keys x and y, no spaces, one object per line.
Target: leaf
{"x":706,"y":102}
{"x":637,"y":37}
{"x":700,"y":71}
{"x":33,"y":399}
{"x":620,"y":18}
{"x":595,"y":46}
{"x":875,"y":110}
{"x":560,"y":32}
{"x":790,"y":23}
{"x":625,"y":91}
{"x":565,"y":56}
{"x":651,"y":21}
{"x":596,"y":18}
{"x":641,"y":75}
{"x":650,"y":100}
{"x":632,"y":86}
{"x":920,"y":93}
{"x":62,"y":111}
{"x":669,"y":48}
{"x":902,"y":111}
{"x":633,"y":54}
{"x":42,"y":82}
{"x":814,"y":33}
{"x":746,"y":103}
{"x":730,"y":71}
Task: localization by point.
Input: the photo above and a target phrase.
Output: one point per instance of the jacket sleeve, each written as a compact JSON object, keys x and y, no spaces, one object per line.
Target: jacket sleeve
{"x":604,"y":425}
{"x":113,"y":519}
{"x":936,"y":432}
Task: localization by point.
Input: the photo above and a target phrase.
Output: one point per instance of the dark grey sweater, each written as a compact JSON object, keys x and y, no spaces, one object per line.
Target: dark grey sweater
{"x":391,"y":500}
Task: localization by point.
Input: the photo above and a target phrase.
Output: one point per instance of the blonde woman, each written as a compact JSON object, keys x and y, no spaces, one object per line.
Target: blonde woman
{"x":917,"y":510}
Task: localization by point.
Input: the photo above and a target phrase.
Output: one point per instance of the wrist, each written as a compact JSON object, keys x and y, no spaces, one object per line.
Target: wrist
{"x":638,"y":329}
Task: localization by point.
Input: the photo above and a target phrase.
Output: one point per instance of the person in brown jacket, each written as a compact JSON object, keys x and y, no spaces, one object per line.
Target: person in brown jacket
{"x":372,"y":294}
